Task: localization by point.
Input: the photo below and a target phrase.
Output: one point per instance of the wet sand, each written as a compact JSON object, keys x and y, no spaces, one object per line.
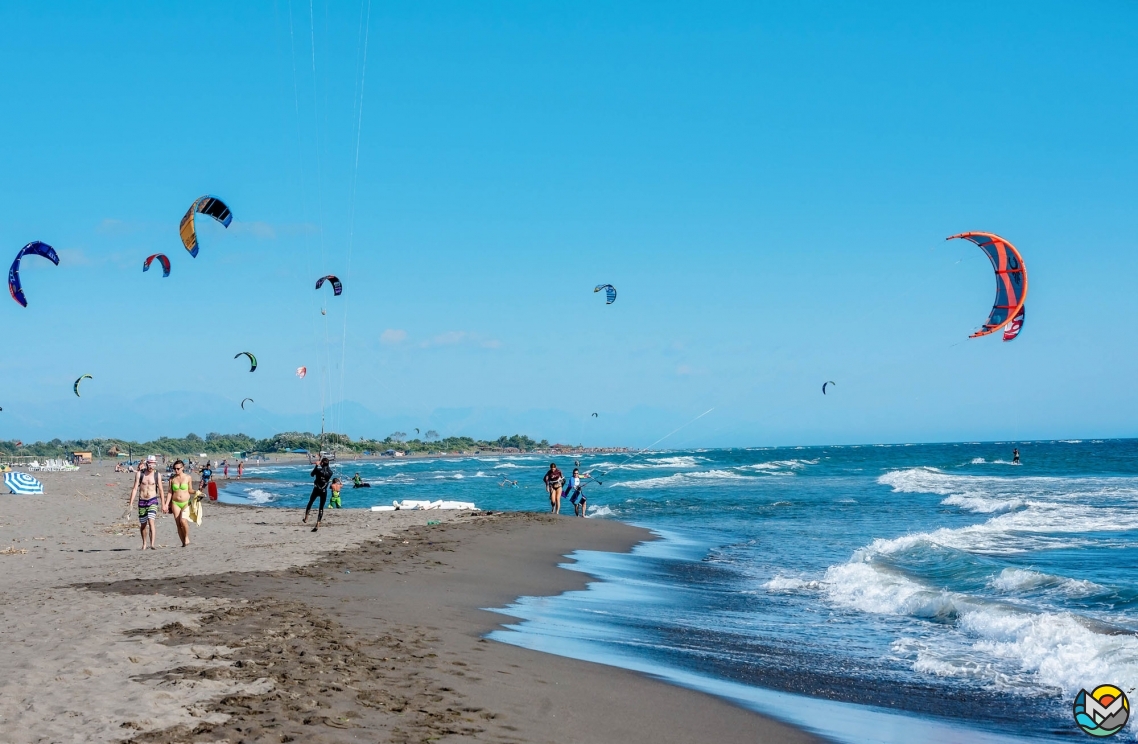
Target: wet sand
{"x":370,"y":630}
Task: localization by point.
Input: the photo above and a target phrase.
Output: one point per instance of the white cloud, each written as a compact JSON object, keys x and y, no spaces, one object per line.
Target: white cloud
{"x":393,"y":336}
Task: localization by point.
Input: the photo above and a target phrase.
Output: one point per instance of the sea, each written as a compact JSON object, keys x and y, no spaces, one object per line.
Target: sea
{"x":877,"y":593}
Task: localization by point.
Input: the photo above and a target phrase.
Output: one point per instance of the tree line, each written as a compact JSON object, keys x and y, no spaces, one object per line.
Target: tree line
{"x":228,"y":444}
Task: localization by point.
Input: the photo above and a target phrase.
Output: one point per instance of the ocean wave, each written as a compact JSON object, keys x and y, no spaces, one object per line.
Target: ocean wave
{"x":982,"y":505}
{"x":1020,"y":580}
{"x":1001,"y":645}
{"x":600,"y":511}
{"x":777,"y":465}
{"x":684,"y":479}
{"x":260,"y":496}
{"x":656,"y":463}
{"x":782,"y":583}
{"x":982,"y":461}
{"x":505,"y":465}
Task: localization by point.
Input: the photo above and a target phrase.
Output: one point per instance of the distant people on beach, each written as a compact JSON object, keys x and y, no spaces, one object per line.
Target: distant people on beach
{"x":207,"y":475}
{"x":334,"y":500}
{"x":1015,"y":456}
{"x":225,"y":469}
{"x":240,"y":469}
{"x":554,"y":480}
{"x":322,"y":475}
{"x":180,"y":485}
{"x":150,"y":496}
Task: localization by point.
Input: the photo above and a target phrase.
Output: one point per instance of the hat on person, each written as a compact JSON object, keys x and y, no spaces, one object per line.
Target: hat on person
{"x":152,"y":458}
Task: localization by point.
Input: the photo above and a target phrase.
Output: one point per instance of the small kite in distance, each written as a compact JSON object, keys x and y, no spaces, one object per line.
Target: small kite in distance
{"x":301,"y":372}
{"x":162,"y":259}
{"x":337,"y":287}
{"x":35,"y":248}
{"x":252,"y":360}
{"x":207,"y":205}
{"x":75,"y":387}
{"x":824,"y":384}
{"x":243,"y":403}
{"x":416,"y":429}
{"x":594,"y":415}
{"x":610,"y":292}
{"x":1011,"y":279}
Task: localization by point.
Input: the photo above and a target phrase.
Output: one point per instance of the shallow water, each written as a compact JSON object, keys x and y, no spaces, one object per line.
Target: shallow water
{"x":939,"y":582}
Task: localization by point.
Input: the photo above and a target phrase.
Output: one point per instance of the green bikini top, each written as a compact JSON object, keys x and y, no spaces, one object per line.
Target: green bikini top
{"x":179,"y":486}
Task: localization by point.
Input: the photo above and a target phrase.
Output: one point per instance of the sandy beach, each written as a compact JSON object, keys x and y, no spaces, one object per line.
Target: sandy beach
{"x":370,"y":630}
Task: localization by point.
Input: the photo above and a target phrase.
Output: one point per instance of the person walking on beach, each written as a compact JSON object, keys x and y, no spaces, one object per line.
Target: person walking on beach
{"x":180,"y":484}
{"x":323,"y":476}
{"x":207,"y":474}
{"x":225,"y":469}
{"x":554,"y":479}
{"x":334,"y":500}
{"x":240,"y":469}
{"x":576,"y":491}
{"x":148,"y":489}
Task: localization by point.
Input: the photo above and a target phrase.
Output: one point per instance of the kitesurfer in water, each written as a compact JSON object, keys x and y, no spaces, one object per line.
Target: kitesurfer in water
{"x":1015,"y":456}
{"x":358,"y":482}
{"x":323,"y":476}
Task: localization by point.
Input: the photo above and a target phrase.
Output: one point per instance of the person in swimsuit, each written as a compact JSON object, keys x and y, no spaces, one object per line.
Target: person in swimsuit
{"x":240,"y":469}
{"x":553,"y":482}
{"x":180,"y":485}
{"x":207,"y":474}
{"x":148,"y":489}
{"x":225,"y":469}
{"x":334,"y":501}
{"x":323,"y":476}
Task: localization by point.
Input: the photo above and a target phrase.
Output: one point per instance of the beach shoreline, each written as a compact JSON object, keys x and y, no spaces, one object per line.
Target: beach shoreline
{"x":262,"y":631}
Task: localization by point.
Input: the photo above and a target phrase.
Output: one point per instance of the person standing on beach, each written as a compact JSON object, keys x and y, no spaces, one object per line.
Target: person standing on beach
{"x":553,"y":482}
{"x":148,"y":489}
{"x":225,"y":469}
{"x":334,"y":501}
{"x":181,"y":484}
{"x":323,"y":476}
{"x":240,"y":469}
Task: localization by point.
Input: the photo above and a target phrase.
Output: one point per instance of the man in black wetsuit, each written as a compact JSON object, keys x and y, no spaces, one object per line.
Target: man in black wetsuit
{"x":1015,"y":455}
{"x":323,"y":476}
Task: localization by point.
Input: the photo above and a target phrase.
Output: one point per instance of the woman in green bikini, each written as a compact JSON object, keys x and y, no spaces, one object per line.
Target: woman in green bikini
{"x":180,"y":488}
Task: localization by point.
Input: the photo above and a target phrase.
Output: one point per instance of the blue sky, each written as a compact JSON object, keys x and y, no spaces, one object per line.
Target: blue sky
{"x":769,"y":187}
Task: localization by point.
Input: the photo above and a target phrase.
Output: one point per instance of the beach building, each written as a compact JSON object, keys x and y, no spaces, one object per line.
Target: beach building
{"x":80,"y":458}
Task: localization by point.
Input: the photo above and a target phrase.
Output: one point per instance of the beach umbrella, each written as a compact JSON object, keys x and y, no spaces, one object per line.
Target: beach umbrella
{"x":22,"y":484}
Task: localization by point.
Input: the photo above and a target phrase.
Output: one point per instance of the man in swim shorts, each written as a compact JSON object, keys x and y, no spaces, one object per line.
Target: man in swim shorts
{"x":334,"y":501}
{"x":148,"y":489}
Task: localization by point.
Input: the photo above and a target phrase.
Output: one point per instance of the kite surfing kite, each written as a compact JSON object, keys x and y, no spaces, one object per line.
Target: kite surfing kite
{"x":36,"y":248}
{"x":416,"y":430}
{"x":207,"y":205}
{"x":594,"y":415}
{"x":337,"y":287}
{"x":824,"y":384}
{"x":1012,"y":329}
{"x":243,"y":403}
{"x":252,"y":360}
{"x":161,"y":259}
{"x":75,"y":387}
{"x":301,"y":372}
{"x":610,"y":292}
{"x":1011,"y":283}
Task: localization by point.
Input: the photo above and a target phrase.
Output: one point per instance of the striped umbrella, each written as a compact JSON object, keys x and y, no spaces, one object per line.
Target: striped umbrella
{"x":22,"y":483}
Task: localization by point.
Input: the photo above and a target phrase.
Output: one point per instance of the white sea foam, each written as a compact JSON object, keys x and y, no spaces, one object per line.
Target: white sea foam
{"x":600,"y":511}
{"x":786,"y":584}
{"x":260,"y":496}
{"x":1001,"y":645}
{"x":778,"y":467}
{"x":505,"y":465}
{"x":684,"y":479}
{"x":480,"y":474}
{"x":1018,"y":580}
